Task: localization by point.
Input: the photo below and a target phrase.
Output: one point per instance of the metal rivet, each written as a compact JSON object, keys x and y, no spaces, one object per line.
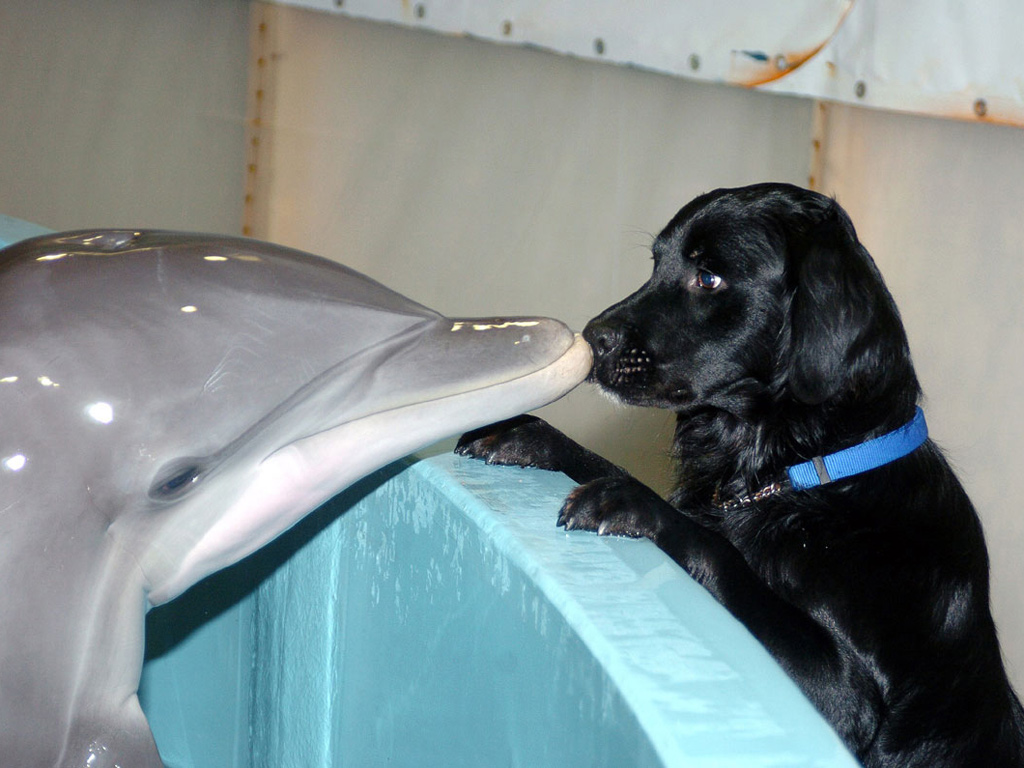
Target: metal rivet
{"x":694,"y":62}
{"x":860,"y":89}
{"x":506,"y":28}
{"x":980,"y":107}
{"x":599,"y":46}
{"x":781,"y":63}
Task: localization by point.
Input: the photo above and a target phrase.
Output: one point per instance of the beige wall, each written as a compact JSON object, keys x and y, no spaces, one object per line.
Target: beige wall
{"x":940,"y":204}
{"x":481,"y":179}
{"x":123,"y":113}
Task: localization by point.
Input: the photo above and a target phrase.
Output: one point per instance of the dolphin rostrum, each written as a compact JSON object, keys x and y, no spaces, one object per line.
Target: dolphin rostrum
{"x":172,"y":402}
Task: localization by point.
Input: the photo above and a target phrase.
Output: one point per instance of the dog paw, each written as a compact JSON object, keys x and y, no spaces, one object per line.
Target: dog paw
{"x":613,"y":506}
{"x":515,"y":442}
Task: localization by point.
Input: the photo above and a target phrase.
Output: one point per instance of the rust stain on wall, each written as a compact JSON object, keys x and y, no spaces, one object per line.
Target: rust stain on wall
{"x":753,"y":68}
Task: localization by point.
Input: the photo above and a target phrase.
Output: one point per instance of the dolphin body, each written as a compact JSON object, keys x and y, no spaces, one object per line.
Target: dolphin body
{"x":172,"y":402}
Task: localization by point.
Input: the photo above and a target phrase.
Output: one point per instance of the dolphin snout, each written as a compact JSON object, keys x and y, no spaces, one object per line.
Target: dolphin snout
{"x":524,"y":339}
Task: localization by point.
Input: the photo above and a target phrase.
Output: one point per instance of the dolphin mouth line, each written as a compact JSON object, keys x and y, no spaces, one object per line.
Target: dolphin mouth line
{"x":579,"y":348}
{"x":205,"y":466}
{"x":577,"y":355}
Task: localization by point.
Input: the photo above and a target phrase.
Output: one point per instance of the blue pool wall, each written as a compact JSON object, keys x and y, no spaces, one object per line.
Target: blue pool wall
{"x":434,"y":615}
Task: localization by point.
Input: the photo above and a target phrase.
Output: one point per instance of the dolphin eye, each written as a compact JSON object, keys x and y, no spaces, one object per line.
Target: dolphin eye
{"x":177,"y":480}
{"x":709,"y":281}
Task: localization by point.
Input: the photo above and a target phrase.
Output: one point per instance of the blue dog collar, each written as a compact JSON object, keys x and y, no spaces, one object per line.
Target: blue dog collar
{"x":860,"y":458}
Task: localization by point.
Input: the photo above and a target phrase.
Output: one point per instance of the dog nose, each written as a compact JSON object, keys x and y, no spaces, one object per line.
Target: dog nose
{"x":603,"y":337}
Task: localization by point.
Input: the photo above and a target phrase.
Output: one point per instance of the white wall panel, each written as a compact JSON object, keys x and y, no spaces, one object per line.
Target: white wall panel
{"x":940,"y":57}
{"x":744,"y":42}
{"x":945,"y":58}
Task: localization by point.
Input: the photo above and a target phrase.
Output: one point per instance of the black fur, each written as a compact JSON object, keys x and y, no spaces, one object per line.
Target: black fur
{"x":767,"y":328}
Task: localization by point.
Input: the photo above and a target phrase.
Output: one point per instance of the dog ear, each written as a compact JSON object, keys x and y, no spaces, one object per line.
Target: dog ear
{"x":838,"y":302}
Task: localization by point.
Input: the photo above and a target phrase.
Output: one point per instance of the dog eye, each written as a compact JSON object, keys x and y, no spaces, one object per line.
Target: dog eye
{"x":709,"y":281}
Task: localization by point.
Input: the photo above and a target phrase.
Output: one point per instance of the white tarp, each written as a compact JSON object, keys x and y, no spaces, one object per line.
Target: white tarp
{"x":939,"y":57}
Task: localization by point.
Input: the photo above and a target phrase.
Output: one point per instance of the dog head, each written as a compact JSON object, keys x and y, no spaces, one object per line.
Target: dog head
{"x":761,"y":300}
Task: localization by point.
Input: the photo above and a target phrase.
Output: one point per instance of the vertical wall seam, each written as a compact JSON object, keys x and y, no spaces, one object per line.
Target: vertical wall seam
{"x":819,"y":130}
{"x":259,"y":110}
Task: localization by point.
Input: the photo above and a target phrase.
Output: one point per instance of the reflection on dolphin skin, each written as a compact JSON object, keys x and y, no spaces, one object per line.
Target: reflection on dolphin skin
{"x":172,"y":402}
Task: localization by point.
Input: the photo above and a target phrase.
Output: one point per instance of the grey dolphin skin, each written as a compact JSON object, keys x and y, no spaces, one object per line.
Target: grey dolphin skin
{"x":172,"y":402}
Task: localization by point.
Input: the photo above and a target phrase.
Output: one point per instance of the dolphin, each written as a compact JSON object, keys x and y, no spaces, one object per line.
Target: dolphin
{"x":170,"y":403}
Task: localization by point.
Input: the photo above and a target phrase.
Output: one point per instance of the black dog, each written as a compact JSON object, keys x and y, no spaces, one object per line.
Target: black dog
{"x":767,"y":328}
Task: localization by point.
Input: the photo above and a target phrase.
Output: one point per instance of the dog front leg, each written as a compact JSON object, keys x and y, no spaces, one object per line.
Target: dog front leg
{"x":527,"y":441}
{"x":826,"y":668}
